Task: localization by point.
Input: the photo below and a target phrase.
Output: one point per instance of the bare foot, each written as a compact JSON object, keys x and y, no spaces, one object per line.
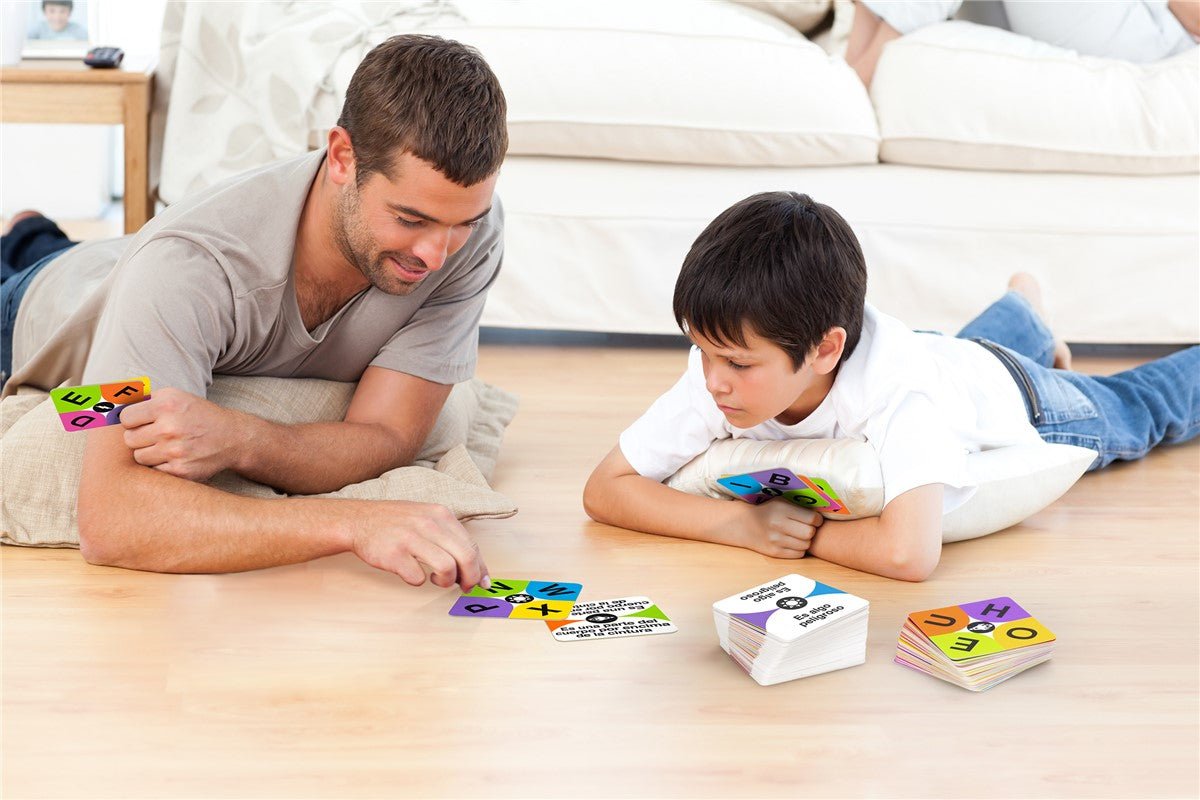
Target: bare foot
{"x":20,"y":215}
{"x":1027,"y":286}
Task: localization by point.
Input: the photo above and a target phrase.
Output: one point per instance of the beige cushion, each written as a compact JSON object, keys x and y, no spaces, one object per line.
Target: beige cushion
{"x":40,"y":462}
{"x":1014,"y":482}
{"x":971,"y":96}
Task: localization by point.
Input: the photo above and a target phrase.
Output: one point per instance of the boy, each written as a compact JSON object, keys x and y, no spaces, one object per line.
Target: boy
{"x":772,"y":296}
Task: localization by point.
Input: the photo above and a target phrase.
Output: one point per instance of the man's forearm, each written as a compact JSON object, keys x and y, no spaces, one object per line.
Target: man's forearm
{"x":320,"y":457}
{"x":181,"y":526}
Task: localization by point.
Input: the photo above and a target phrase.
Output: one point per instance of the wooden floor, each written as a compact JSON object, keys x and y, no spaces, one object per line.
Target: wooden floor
{"x":333,"y":680}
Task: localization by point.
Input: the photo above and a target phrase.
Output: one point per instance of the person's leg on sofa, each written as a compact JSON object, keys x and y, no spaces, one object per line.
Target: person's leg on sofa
{"x":30,"y":237}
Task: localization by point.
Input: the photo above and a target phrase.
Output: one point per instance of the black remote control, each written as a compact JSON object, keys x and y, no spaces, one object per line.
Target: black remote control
{"x":104,"y":57}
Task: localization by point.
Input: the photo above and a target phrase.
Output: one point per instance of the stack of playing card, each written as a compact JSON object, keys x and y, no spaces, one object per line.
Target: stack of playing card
{"x":974,"y":645}
{"x":791,"y":628}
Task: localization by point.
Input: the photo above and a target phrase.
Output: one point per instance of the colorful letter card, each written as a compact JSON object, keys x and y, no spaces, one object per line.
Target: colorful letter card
{"x":801,"y":490}
{"x":519,"y":599}
{"x":974,"y":645}
{"x":82,"y":408}
{"x":612,"y":619}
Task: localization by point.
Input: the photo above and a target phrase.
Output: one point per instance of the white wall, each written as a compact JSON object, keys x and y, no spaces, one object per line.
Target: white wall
{"x":73,"y":171}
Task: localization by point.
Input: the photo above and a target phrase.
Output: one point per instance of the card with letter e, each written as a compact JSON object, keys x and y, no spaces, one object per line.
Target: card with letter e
{"x":519,"y":599}
{"x":83,"y":408}
{"x":759,"y":487}
{"x":612,"y":619}
{"x":981,"y":628}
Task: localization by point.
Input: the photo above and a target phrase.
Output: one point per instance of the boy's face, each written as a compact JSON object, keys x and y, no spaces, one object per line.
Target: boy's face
{"x":758,"y":382}
{"x":57,"y":16}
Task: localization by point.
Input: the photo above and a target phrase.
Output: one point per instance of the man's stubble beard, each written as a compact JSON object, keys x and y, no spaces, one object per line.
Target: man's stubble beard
{"x":358,"y":247}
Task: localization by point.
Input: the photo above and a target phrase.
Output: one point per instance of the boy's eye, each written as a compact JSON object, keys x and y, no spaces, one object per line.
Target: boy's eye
{"x":736,"y":365}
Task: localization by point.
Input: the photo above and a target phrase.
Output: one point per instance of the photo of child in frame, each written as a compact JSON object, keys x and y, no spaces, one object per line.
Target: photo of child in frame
{"x":58,"y":28}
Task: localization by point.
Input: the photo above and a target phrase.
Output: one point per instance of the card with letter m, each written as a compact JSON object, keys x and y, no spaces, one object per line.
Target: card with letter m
{"x":83,"y":408}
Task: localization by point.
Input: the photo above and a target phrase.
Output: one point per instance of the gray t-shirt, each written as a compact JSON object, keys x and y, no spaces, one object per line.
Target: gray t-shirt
{"x":206,"y":288}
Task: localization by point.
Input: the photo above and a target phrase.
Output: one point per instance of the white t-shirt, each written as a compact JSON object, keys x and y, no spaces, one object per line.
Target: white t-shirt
{"x":922,"y":400}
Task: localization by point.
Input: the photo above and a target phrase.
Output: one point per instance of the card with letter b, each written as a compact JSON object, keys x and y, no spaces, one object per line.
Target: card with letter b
{"x":801,"y":490}
{"x":82,"y":408}
{"x":519,"y":599}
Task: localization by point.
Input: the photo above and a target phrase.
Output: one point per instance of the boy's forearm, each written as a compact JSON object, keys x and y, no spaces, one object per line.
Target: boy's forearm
{"x":642,"y":504}
{"x":870,"y":545}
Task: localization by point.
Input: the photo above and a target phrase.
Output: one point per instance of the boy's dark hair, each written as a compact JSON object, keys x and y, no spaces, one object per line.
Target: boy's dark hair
{"x":435,"y":98}
{"x":70,"y":4}
{"x":789,"y":268}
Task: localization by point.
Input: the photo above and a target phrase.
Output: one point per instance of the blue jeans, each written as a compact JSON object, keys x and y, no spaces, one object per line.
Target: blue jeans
{"x":1120,"y":416}
{"x":24,"y":252}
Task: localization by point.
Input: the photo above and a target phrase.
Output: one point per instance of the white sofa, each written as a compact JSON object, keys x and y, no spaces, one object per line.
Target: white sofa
{"x":977,"y":152}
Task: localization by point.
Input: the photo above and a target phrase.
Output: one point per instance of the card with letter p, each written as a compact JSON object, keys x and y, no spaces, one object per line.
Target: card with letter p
{"x":519,"y":599}
{"x":82,"y":408}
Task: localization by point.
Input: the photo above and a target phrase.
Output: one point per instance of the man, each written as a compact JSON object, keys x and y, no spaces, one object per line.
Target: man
{"x":367,"y":261}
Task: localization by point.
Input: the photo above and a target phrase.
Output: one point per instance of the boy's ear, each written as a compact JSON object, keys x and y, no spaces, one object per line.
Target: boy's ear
{"x":829,"y":351}
{"x":340,"y":158}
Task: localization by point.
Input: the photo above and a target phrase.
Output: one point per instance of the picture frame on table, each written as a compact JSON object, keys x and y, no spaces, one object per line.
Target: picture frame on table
{"x":59,"y":28}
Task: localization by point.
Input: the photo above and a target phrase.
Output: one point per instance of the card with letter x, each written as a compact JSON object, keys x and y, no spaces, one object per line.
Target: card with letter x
{"x":519,"y":599}
{"x":83,"y":408}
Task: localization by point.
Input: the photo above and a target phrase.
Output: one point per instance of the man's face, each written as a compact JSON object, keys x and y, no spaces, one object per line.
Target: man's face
{"x":57,"y":16}
{"x":396,"y":231}
{"x":758,"y":382}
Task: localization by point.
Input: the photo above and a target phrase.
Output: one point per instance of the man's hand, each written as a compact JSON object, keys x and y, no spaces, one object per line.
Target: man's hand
{"x":183,"y":435}
{"x":780,"y":529}
{"x":400,"y":536}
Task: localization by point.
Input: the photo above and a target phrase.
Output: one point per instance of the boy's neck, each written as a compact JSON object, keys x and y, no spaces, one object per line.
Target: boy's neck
{"x":809,"y":400}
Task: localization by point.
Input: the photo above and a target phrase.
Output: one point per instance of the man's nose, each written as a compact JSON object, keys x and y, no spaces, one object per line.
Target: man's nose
{"x":433,"y":248}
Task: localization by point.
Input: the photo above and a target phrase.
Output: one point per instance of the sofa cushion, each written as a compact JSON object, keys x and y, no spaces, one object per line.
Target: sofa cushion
{"x":674,"y":81}
{"x":1013,"y":482}
{"x":969,"y":96}
{"x":40,"y":462}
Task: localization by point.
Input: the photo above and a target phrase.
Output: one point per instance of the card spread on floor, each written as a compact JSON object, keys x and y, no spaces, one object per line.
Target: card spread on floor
{"x":791,"y":628}
{"x":974,"y":645}
{"x":759,"y":487}
{"x":612,"y":619}
{"x":83,"y":408}
{"x":519,"y":599}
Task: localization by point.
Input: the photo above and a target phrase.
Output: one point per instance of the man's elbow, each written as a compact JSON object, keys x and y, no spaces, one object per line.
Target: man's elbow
{"x":102,"y":537}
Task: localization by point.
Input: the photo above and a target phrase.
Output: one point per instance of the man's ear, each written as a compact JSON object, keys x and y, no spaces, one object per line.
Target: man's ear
{"x":829,"y":351}
{"x":339,"y":161}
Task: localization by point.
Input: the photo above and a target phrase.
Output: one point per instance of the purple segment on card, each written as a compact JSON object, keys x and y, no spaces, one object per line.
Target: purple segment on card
{"x":780,"y":479}
{"x":998,"y":609}
{"x":480,"y":607}
{"x":758,"y":619}
{"x":82,"y":420}
{"x":114,"y":417}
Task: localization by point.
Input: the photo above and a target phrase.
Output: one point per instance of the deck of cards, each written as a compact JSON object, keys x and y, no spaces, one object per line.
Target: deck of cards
{"x":792,"y":627}
{"x":974,"y":645}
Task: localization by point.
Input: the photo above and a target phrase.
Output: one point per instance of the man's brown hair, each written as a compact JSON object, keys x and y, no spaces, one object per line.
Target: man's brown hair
{"x":435,"y":98}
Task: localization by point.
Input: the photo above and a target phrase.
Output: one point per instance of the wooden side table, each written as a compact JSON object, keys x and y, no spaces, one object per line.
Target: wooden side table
{"x":51,"y":91}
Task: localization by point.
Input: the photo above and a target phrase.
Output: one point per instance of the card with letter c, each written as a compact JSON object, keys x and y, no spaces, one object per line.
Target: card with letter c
{"x":82,"y":408}
{"x":519,"y":599}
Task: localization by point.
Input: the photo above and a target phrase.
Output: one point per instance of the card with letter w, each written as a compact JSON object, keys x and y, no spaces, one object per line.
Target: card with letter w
{"x":519,"y":599}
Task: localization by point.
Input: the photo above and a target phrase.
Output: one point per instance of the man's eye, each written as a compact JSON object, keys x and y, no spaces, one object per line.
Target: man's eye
{"x":473,"y":224}
{"x":410,"y":223}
